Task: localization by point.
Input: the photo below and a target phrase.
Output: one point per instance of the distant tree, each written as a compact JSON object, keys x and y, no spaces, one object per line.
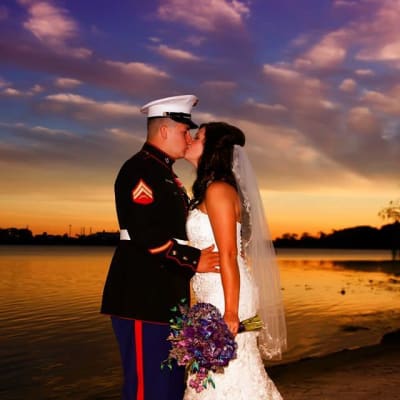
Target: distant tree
{"x":357,"y":237}
{"x":392,"y":212}
{"x":290,"y":236}
{"x":15,"y":236}
{"x":287,"y":240}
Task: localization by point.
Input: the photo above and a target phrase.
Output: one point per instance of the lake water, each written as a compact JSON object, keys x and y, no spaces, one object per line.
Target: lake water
{"x":54,"y":344}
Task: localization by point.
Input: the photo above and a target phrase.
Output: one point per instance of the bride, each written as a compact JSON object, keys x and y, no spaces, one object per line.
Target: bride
{"x":227,"y":211}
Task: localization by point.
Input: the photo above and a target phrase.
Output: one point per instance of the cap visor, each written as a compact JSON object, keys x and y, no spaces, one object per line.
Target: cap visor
{"x":184,"y":120}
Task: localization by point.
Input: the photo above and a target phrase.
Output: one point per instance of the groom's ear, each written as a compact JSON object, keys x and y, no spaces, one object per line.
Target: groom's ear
{"x":164,"y":131}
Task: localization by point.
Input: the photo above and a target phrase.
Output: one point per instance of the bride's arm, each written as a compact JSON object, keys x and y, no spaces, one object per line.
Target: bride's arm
{"x":221,"y":202}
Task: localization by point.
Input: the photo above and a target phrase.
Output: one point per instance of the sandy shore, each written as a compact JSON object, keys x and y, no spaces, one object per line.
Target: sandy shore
{"x":366,"y":373}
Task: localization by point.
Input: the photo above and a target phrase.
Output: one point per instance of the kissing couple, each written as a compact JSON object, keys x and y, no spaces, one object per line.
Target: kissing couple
{"x":218,"y":243}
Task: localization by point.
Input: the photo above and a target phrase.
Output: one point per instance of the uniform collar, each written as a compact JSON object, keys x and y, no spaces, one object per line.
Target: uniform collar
{"x":164,"y":158}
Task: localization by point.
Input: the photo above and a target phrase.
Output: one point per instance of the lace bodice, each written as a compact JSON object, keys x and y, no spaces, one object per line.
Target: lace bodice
{"x":245,"y":377}
{"x":199,"y":230}
{"x":207,"y":287}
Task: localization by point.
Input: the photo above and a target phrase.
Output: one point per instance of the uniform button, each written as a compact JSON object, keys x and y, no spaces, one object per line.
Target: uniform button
{"x":185,"y":258}
{"x":174,"y":253}
{"x":194,"y":262}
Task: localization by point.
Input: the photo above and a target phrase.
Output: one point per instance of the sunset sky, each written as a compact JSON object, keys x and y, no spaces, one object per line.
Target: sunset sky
{"x":314,"y":84}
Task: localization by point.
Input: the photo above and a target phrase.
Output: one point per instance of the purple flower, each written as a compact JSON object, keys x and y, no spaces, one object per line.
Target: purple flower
{"x":201,"y":341}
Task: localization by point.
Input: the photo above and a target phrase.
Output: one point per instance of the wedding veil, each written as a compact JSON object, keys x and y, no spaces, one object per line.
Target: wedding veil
{"x":259,"y":252}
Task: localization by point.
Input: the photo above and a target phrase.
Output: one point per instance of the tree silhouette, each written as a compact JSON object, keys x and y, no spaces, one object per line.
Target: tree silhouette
{"x":392,"y":212}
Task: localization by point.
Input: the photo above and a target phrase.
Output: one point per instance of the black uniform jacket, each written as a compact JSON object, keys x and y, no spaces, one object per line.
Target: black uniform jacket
{"x":150,"y":273}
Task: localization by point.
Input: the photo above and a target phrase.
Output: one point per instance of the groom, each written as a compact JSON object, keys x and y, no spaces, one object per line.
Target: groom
{"x":152,"y":265}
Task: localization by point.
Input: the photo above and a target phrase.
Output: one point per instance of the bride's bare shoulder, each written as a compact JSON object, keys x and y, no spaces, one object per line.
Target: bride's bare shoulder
{"x":218,"y":188}
{"x":220,"y":192}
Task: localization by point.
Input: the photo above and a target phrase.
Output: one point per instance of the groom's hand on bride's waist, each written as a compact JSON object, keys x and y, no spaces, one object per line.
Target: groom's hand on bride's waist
{"x":209,"y":260}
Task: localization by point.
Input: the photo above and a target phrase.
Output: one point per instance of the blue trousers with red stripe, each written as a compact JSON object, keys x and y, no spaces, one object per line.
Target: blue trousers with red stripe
{"x":143,"y":347}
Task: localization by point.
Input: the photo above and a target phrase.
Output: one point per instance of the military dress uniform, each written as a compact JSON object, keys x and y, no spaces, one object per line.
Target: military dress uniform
{"x":152,"y":265}
{"x":149,"y":272}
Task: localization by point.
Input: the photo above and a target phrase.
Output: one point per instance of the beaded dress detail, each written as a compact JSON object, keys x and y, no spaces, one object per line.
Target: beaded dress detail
{"x":245,"y":377}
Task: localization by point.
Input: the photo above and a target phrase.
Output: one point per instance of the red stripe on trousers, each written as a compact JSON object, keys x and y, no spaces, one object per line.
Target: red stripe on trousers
{"x":139,"y":359}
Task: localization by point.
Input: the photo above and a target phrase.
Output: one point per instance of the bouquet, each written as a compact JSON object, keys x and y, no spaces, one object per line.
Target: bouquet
{"x":202,"y":342}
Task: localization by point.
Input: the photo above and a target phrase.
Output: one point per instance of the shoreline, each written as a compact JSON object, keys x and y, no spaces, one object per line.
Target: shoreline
{"x":351,"y":374}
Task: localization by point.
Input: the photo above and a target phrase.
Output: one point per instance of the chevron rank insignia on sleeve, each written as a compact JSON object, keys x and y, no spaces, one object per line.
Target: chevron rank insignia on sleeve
{"x":142,"y":193}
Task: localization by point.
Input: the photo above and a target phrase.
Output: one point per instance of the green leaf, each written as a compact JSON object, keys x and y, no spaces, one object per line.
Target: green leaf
{"x":211,"y":381}
{"x":194,"y":367}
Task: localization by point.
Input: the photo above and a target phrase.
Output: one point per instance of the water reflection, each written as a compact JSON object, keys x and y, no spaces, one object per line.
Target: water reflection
{"x":387,"y":267}
{"x":56,"y":345}
{"x":334,"y":254}
{"x":332,"y":305}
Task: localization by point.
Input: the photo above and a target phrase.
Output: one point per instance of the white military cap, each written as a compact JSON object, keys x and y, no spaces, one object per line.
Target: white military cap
{"x":178,"y":108}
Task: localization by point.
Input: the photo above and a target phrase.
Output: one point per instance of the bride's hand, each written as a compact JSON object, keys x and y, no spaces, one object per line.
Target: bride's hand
{"x":232,"y":320}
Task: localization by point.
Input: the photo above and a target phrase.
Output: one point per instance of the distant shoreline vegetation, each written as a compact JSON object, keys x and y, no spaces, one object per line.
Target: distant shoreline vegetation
{"x":25,"y":237}
{"x":359,"y":237}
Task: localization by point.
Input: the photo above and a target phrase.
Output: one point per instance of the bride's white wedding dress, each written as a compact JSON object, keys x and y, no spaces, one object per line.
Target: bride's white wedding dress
{"x":245,"y":377}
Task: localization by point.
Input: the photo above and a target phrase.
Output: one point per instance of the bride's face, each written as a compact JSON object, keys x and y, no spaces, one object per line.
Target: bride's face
{"x":195,"y":149}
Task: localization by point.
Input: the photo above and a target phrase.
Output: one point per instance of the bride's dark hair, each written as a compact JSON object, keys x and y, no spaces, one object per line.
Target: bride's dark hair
{"x":215,"y":163}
